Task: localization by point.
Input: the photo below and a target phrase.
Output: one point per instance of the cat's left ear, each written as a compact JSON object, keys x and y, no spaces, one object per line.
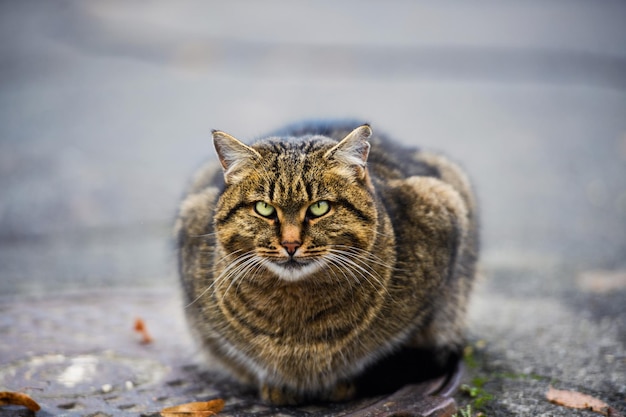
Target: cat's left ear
{"x":353,"y":150}
{"x":233,"y":155}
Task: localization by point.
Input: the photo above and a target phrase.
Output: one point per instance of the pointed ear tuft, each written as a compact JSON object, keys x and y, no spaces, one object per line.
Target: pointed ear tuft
{"x":233,"y":154}
{"x":353,"y":150}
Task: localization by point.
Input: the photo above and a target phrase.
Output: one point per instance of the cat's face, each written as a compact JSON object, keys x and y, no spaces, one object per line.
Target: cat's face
{"x":296,"y":207}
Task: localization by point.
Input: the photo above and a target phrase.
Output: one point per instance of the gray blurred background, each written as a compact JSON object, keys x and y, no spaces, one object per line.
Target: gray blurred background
{"x":106,"y":109}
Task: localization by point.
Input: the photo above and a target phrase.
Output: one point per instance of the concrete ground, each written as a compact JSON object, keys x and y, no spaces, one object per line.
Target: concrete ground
{"x":106,"y":109}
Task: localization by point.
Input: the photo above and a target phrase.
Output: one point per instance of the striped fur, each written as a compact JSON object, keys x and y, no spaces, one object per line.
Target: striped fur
{"x":390,"y":264}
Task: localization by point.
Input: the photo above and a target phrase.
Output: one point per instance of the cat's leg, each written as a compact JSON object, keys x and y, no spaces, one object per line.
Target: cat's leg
{"x":446,"y":332}
{"x":281,"y":395}
{"x":342,"y":391}
{"x":440,"y":209}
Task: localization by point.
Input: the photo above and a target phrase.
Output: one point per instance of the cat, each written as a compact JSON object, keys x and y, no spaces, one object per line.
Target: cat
{"x":314,"y":253}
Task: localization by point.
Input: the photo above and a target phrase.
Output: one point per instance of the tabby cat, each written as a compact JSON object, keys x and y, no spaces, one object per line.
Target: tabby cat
{"x":318,"y":251}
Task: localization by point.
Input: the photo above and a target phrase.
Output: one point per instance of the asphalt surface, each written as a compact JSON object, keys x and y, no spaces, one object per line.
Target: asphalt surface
{"x":106,"y":110}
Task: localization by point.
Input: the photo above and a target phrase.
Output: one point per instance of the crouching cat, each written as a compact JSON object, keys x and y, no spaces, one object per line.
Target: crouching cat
{"x":312,"y":254}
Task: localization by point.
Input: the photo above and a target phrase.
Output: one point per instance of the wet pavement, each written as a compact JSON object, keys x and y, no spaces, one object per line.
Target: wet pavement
{"x":106,"y":110}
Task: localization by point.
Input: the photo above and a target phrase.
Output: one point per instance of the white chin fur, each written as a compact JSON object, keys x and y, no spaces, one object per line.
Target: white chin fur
{"x":293,"y":274}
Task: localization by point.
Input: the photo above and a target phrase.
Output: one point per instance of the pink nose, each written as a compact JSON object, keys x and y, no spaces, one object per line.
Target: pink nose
{"x":291,"y":247}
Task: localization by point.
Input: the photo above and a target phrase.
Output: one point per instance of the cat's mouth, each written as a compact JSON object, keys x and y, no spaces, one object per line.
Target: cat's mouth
{"x":293,"y":269}
{"x":294,"y":263}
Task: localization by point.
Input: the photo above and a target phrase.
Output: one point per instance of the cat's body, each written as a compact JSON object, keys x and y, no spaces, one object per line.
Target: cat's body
{"x":309,"y":256}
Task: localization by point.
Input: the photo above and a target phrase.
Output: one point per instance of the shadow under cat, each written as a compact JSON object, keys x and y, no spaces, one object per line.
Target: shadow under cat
{"x":412,"y":382}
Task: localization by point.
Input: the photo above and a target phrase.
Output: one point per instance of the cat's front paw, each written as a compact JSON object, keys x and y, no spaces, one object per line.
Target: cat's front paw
{"x":279,"y":395}
{"x":343,"y":391}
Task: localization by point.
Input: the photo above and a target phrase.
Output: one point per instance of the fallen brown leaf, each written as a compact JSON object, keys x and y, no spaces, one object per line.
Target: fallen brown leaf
{"x":18,"y":398}
{"x":140,"y":327}
{"x":197,"y":409}
{"x":574,"y":399}
{"x":602,"y":282}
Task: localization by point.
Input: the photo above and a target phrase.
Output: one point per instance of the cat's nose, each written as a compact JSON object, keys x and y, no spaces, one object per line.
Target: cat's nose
{"x":291,"y":247}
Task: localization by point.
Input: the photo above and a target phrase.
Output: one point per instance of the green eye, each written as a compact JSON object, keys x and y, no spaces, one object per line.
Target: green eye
{"x":319,"y":209}
{"x":264,"y":209}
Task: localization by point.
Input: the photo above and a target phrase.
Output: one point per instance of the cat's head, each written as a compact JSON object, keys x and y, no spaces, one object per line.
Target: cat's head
{"x":295,"y":206}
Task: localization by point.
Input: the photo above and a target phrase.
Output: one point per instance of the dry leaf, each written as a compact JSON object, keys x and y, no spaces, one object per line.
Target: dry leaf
{"x":602,"y":282}
{"x":198,"y":409}
{"x":140,"y":327}
{"x":573,"y":399}
{"x":17,"y":398}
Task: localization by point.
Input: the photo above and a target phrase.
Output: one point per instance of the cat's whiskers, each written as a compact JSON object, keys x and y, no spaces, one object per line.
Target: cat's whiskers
{"x":204,"y":235}
{"x":234,"y":263}
{"x":354,"y":269}
{"x":254,"y":270}
{"x":367,"y":255}
{"x":341,"y":265}
{"x":333,"y":271}
{"x":349,"y":261}
{"x":363,"y":260}
{"x":379,"y":233}
{"x":216,"y":281}
{"x":241,"y":271}
{"x":362,"y":256}
{"x":226,"y":258}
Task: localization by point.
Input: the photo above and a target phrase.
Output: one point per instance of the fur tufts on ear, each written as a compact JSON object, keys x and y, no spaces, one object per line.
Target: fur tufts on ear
{"x":353,"y":150}
{"x":233,"y":154}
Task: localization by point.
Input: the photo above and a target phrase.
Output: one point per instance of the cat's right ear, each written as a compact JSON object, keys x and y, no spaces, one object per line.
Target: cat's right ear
{"x":352,"y":152}
{"x":233,"y":155}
